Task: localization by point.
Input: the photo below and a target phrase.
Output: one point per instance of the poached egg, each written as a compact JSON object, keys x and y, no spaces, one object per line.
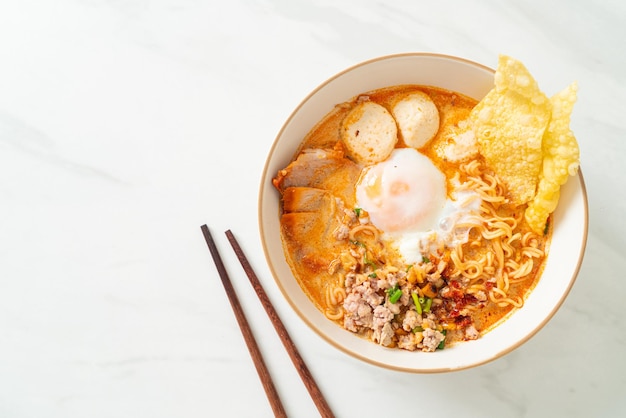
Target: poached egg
{"x":406,"y":197}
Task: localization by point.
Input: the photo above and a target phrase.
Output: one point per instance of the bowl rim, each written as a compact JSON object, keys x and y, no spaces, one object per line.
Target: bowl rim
{"x":266,"y":176}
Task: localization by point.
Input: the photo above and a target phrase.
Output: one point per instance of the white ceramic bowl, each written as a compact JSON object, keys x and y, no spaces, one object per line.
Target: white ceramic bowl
{"x":473,"y":80}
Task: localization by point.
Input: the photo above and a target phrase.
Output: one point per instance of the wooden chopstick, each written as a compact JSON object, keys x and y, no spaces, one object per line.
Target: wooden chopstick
{"x":264,"y":375}
{"x":301,"y":367}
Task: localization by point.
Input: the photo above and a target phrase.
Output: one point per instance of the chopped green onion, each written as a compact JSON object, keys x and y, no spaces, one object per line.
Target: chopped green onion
{"x":418,"y":329}
{"x":442,"y":344}
{"x":422,"y":301}
{"x":416,"y":301}
{"x":427,"y":304}
{"x":395,"y":295}
{"x":372,"y":275}
{"x":425,"y":259}
{"x":357,"y":211}
{"x":409,"y":268}
{"x":369,"y":262}
{"x":358,"y":243}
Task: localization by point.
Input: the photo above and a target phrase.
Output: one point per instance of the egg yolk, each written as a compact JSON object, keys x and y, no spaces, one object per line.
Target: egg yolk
{"x":404,"y":193}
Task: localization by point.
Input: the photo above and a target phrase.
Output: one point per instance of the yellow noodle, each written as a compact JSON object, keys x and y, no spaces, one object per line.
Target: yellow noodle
{"x":469,"y":201}
{"x":530,"y":240}
{"x":523,"y":270}
{"x":511,"y":265}
{"x":475,"y":288}
{"x":334,"y":296}
{"x":472,"y":308}
{"x":369,"y":229}
{"x":493,"y":234}
{"x":456,"y":260}
{"x":532,"y":252}
{"x":472,"y":168}
{"x":334,"y":266}
{"x":503,"y":300}
{"x":513,"y":238}
{"x":330,"y":298}
{"x":499,"y":254}
{"x":334,"y":315}
{"x":459,"y":252}
{"x":509,"y":250}
{"x":509,"y":260}
{"x":473,"y":269}
{"x":340,"y":294}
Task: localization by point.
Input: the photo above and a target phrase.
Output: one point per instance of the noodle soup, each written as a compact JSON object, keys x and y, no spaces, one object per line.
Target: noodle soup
{"x":420,"y":248}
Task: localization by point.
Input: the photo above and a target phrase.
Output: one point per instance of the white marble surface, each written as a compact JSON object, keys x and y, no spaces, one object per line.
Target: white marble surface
{"x":125,"y":125}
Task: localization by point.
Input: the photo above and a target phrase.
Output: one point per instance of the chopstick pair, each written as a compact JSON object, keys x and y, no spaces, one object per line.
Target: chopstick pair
{"x":263,"y":372}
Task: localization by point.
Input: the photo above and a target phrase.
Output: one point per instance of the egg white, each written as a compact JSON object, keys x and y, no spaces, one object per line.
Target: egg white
{"x":406,"y":198}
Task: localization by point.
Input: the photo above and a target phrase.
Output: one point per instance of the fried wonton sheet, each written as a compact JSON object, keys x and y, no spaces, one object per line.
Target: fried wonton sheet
{"x":509,"y":124}
{"x":526,"y":139}
{"x":560,"y":159}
